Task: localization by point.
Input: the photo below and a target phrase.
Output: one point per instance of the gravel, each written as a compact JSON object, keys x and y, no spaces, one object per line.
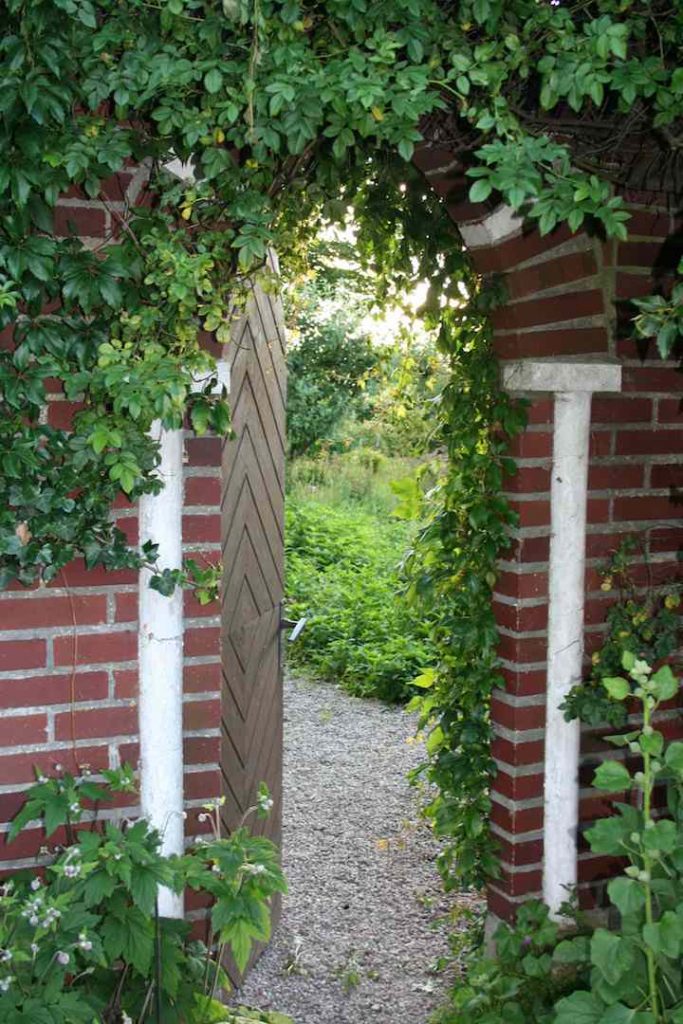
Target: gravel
{"x":365,"y":919}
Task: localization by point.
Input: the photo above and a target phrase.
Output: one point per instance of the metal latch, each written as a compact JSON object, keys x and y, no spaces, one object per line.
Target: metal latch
{"x":296,"y":626}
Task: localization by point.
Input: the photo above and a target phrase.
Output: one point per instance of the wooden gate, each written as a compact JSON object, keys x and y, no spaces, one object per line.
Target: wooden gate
{"x":253,"y":559}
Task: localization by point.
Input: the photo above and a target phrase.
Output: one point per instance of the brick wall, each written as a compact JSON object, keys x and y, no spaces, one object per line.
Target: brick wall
{"x":568,"y":295}
{"x":68,"y":652}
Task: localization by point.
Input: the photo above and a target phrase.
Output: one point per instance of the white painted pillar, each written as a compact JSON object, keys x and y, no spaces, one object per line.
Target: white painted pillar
{"x":160,"y":650}
{"x":573,"y":381}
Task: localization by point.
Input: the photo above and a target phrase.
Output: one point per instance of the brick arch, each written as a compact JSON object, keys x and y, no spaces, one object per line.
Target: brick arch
{"x":569,"y":295}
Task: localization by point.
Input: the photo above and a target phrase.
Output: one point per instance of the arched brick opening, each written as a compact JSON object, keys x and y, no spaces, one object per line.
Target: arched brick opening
{"x":68,"y":675}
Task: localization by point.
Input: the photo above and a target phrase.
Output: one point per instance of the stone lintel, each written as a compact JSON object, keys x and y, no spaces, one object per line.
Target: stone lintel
{"x":562,"y":374}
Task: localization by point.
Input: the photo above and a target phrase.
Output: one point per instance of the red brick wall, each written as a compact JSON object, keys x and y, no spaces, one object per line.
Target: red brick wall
{"x":568,"y":295}
{"x":68,"y":652}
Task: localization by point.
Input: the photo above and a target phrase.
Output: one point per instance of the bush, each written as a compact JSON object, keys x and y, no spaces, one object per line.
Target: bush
{"x":81,"y":943}
{"x":343,"y":572}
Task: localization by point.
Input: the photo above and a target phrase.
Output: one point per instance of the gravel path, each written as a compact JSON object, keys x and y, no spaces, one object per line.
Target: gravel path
{"x":363,"y":924}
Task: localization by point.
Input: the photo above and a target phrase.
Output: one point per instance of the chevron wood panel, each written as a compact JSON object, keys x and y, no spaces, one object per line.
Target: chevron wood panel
{"x":253,"y":472}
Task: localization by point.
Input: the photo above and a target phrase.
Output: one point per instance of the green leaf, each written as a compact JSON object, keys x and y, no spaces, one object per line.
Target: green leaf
{"x":572,"y":951}
{"x":609,"y":835}
{"x":611,"y":954}
{"x":481,"y":190}
{"x":673,"y":757}
{"x":627,"y":895}
{"x":213,"y":80}
{"x":617,"y":688}
{"x":665,"y":936}
{"x":579,"y":1008}
{"x":406,"y":148}
{"x":612,"y":776}
{"x":665,"y":682}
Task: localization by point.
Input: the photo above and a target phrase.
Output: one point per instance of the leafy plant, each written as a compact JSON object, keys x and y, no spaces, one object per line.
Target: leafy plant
{"x":636,"y":971}
{"x":82,"y":941}
{"x":521,"y":983}
{"x":343,"y":574}
{"x":661,"y":317}
{"x":644,"y":622}
{"x":451,"y":577}
{"x":629,"y":975}
{"x":285,"y":111}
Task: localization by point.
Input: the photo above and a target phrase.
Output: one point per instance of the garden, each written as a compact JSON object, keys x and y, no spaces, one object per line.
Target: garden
{"x":313,"y":128}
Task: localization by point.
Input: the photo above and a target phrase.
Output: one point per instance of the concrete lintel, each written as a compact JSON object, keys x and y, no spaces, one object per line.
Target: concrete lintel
{"x":497,"y":227}
{"x":561,"y":374}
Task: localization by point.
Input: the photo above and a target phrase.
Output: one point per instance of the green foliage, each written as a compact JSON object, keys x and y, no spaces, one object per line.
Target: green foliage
{"x":631,"y":975}
{"x":328,"y":363}
{"x":530,"y":971}
{"x":82,"y":941}
{"x":635,"y":972}
{"x":343,"y":573}
{"x":452,"y":575}
{"x":643,"y":623}
{"x":661,"y":317}
{"x":286,"y":111}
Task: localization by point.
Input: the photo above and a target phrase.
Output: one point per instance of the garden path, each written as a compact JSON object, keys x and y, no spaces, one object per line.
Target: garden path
{"x":364,"y":923}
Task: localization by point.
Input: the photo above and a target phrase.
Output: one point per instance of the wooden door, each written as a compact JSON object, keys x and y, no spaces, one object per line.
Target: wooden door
{"x":253,"y":558}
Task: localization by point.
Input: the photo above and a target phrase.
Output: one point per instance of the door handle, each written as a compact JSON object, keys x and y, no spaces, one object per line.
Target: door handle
{"x":296,"y":626}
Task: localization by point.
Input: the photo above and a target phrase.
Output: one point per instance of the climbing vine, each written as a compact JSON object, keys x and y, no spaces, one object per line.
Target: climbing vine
{"x":284,"y":113}
{"x":277,"y":105}
{"x":452,"y":576}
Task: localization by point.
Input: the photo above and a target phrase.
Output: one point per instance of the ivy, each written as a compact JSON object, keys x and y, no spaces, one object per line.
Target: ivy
{"x":452,"y":575}
{"x":278,"y":107}
{"x":283,"y":114}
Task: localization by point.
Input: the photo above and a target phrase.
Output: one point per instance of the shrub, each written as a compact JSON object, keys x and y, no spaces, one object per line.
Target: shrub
{"x":518,"y":985}
{"x":82,"y":943}
{"x":343,"y":573}
{"x":632,"y":974}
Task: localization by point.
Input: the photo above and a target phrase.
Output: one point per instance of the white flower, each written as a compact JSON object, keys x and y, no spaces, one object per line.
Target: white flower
{"x":63,"y":958}
{"x":5,"y":955}
{"x":125,"y":1019}
{"x":72,"y":870}
{"x":35,"y":948}
{"x":75,"y":807}
{"x":84,"y":942}
{"x":254,"y":869}
{"x":36,"y":884}
{"x":5,"y":983}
